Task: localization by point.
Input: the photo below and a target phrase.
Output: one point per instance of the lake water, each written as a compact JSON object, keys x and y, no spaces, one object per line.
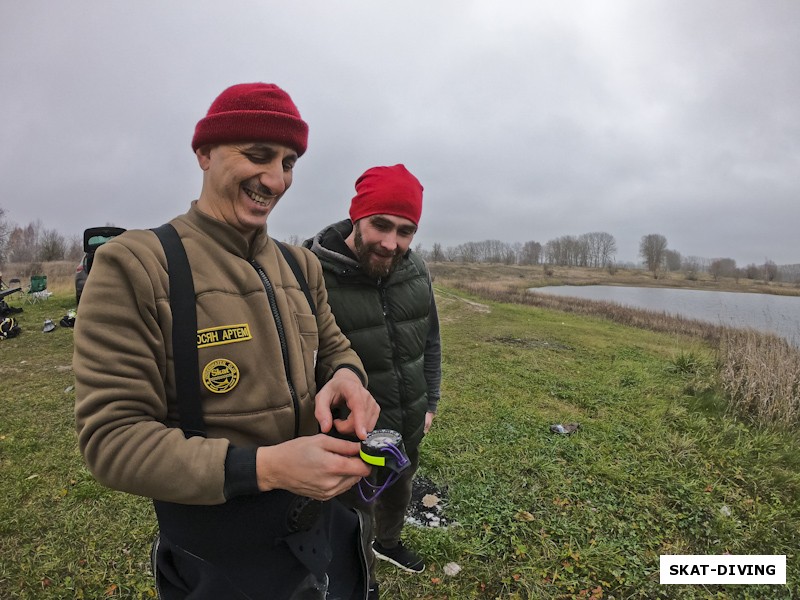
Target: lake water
{"x":765,"y":312}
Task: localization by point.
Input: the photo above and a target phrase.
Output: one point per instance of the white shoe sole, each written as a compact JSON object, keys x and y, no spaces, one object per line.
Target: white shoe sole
{"x":395,"y":563}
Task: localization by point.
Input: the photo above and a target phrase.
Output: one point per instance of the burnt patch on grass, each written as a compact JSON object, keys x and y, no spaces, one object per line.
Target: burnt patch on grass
{"x":427,"y":506}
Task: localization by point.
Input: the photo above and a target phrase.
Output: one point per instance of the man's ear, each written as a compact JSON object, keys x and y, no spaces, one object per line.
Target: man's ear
{"x":203,"y":154}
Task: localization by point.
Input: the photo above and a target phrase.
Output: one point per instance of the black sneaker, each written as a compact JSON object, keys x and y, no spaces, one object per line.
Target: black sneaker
{"x":400,"y":556}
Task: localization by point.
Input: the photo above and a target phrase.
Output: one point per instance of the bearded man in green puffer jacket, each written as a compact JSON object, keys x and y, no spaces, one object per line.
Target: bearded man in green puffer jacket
{"x":381,"y":295}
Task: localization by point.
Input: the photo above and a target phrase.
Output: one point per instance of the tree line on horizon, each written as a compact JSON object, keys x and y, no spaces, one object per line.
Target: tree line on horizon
{"x":36,"y":244}
{"x":598,"y":250}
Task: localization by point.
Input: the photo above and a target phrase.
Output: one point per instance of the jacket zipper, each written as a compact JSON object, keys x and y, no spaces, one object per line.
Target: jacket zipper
{"x":273,"y":305}
{"x":391,"y":330}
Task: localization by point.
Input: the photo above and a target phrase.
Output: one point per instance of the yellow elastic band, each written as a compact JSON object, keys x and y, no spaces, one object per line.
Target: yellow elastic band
{"x":378,"y":461}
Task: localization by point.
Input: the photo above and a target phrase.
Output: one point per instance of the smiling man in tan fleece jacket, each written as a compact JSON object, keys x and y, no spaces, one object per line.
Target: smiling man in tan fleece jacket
{"x":238,"y":506}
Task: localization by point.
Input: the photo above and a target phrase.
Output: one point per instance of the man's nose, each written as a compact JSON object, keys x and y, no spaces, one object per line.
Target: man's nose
{"x":389,"y":241}
{"x":272,"y":177}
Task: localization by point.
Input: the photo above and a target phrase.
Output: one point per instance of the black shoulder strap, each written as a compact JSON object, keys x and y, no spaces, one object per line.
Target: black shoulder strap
{"x":298,"y":274}
{"x":184,"y":332}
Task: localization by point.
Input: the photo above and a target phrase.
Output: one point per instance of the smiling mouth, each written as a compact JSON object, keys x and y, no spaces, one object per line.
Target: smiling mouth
{"x":264,"y":201}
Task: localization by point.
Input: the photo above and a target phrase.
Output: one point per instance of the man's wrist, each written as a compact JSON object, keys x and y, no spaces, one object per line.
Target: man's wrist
{"x":351,"y":369}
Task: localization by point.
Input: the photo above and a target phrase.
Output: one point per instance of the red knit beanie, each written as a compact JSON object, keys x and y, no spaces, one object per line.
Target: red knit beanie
{"x":387,"y":191}
{"x":252,"y":112}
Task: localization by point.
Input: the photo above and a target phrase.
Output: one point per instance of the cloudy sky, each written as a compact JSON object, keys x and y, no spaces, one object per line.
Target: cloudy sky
{"x":524,"y":120}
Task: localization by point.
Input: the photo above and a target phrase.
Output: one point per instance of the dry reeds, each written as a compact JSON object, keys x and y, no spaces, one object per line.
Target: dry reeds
{"x":761,"y":375}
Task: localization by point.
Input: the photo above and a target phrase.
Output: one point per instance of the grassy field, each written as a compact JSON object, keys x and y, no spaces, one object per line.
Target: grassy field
{"x":657,"y":467}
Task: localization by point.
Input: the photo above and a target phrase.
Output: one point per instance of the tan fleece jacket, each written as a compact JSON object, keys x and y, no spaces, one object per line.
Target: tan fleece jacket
{"x":126,"y":411}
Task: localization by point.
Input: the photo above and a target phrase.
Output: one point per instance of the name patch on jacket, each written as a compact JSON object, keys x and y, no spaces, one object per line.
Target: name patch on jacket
{"x":220,"y":376}
{"x":226,"y":334}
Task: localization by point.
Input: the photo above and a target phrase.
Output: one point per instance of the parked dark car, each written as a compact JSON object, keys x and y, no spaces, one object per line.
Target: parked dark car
{"x":93,"y":238}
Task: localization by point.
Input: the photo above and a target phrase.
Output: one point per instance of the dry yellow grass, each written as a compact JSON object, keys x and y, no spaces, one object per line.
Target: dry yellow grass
{"x":522,"y":277}
{"x":60,"y":274}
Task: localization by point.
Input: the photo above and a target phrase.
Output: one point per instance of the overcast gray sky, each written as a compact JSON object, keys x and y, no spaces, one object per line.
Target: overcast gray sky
{"x":524,"y":120}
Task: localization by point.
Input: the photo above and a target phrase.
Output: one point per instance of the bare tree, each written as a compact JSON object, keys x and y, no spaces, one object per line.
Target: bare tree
{"x":531,"y":253}
{"x":292,"y":240}
{"x":566,"y":251}
{"x":651,"y":249}
{"x":74,"y":248}
{"x":492,"y":251}
{"x":752,"y":271}
{"x":770,"y":270}
{"x":487,"y":251}
{"x":420,"y":251}
{"x":453,"y":253}
{"x":789,"y":273}
{"x":436,"y":254}
{"x":52,"y":246}
{"x":690,"y":268}
{"x":595,"y":249}
{"x":606,"y":249}
{"x":468,"y":252}
{"x":5,"y":231}
{"x":700,"y":263}
{"x":722,"y":267}
{"x":23,"y":243}
{"x":672,"y":260}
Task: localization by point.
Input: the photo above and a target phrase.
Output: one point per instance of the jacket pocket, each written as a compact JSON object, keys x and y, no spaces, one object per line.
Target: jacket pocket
{"x":309,"y":341}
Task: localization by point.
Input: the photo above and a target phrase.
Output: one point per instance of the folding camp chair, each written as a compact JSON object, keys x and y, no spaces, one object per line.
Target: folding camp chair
{"x":37,"y":290}
{"x":13,"y":287}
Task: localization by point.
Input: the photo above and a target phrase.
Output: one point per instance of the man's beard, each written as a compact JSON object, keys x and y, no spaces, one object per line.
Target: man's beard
{"x":365,"y":251}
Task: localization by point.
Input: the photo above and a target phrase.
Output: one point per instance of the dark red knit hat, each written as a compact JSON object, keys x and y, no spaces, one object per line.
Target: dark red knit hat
{"x":252,"y":112}
{"x":387,"y":191}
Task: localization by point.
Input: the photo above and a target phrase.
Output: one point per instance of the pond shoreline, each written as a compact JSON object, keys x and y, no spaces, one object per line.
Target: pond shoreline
{"x":522,"y":277}
{"x":769,"y":313}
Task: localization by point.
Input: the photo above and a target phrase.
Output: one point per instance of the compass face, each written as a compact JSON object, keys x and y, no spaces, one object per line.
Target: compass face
{"x":381,"y":438}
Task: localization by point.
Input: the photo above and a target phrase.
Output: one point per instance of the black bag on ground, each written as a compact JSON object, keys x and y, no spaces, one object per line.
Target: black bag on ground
{"x":6,"y":310}
{"x":9,"y":328}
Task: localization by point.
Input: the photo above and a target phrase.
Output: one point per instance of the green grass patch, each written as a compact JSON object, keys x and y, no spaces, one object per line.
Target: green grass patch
{"x":657,"y":467}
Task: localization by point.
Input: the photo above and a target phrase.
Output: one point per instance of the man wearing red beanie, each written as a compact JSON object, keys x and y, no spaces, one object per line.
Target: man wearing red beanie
{"x":381,"y":295}
{"x":207,"y":362}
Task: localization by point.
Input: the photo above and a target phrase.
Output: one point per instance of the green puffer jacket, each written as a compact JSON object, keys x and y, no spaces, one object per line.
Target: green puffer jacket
{"x":387,"y":322}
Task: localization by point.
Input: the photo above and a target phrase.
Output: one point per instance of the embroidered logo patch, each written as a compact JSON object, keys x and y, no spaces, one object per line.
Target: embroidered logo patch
{"x":220,"y":376}
{"x":227,"y":334}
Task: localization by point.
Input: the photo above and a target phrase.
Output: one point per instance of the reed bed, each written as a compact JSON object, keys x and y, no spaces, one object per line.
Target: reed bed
{"x":758,"y":372}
